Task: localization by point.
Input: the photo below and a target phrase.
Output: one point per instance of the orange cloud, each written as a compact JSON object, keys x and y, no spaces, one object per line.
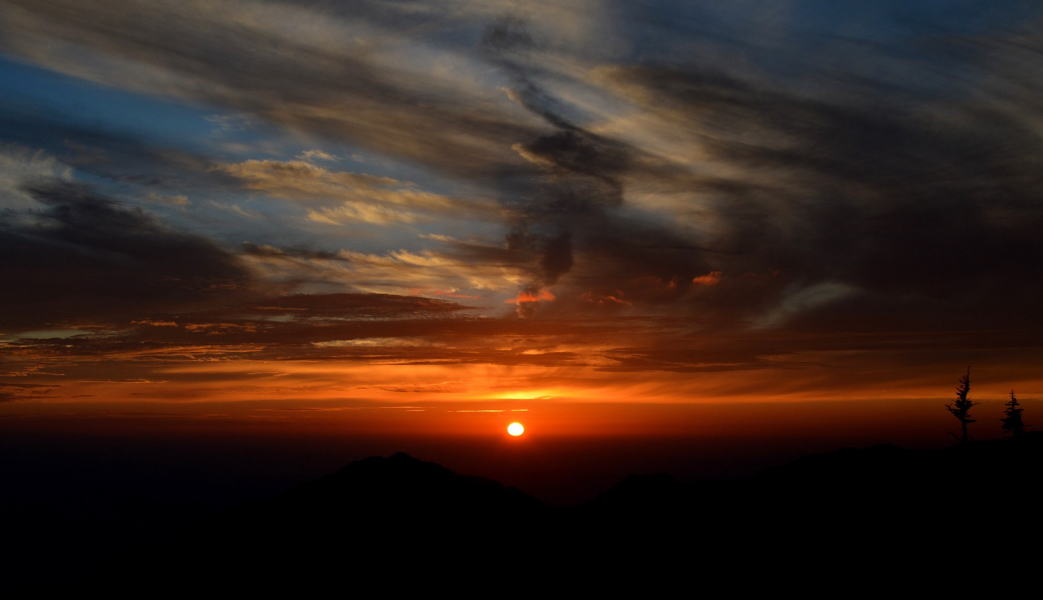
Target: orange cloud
{"x":452,"y":293}
{"x":218,"y":328}
{"x":711,"y":278}
{"x":525,"y":297}
{"x":153,"y":323}
{"x":606,"y":299}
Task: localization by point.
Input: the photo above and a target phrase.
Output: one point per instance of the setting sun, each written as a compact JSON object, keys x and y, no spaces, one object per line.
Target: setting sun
{"x":515,"y":429}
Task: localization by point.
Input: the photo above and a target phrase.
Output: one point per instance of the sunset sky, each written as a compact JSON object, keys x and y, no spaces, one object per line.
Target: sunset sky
{"x":622,"y":218}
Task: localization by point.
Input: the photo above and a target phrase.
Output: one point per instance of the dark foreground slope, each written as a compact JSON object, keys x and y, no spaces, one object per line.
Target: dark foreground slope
{"x":399,"y":521}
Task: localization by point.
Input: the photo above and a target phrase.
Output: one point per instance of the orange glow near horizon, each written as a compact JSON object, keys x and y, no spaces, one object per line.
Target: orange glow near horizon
{"x":570,"y":387}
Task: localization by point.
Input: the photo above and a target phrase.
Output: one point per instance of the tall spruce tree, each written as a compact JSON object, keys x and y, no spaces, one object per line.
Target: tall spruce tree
{"x":1011,"y":420}
{"x":961,"y":408}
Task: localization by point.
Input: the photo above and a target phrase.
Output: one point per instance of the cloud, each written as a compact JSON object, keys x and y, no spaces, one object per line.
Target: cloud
{"x":300,"y":179}
{"x":25,"y":391}
{"x":789,"y":159}
{"x":573,"y":215}
{"x":711,"y":278}
{"x":339,"y":196}
{"x":884,"y":198}
{"x":478,"y":269}
{"x":355,"y":306}
{"x":314,"y":154}
{"x":526,"y":297}
{"x":309,"y":84}
{"x":19,"y":164}
{"x":84,"y":257}
{"x":178,"y":200}
{"x":292,"y":67}
{"x":804,"y":300}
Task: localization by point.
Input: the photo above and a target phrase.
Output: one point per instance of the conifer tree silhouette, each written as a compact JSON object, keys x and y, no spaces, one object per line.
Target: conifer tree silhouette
{"x":1011,"y":420}
{"x":962,"y":406}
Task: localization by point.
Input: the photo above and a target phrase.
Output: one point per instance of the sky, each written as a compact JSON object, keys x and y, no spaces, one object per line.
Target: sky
{"x":600,"y":218}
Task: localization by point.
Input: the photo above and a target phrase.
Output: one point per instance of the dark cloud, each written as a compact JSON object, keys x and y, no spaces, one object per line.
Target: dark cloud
{"x":83,"y":257}
{"x":574,"y":207}
{"x":927,"y":208}
{"x":264,"y":250}
{"x":516,"y":253}
{"x":355,"y":305}
{"x":24,"y":391}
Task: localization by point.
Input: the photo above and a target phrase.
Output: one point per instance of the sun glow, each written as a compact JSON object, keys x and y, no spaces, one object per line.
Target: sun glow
{"x":542,"y":394}
{"x":515,"y":429}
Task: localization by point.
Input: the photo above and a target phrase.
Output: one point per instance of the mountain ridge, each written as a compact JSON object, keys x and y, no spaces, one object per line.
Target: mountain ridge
{"x":383,"y":515}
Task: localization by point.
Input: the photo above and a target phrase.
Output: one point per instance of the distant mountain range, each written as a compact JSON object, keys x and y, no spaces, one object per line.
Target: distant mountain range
{"x":397,"y":519}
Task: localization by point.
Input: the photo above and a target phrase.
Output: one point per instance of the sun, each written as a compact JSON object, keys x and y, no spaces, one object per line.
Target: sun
{"x":515,"y":429}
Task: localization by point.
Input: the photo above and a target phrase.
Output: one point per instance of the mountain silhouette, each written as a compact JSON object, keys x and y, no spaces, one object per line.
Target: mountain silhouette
{"x":376,"y":518}
{"x":399,"y":520}
{"x":403,"y":489}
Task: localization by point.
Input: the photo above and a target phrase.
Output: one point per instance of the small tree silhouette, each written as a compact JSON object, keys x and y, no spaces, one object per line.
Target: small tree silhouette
{"x":961,"y":408}
{"x":1011,"y":420}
